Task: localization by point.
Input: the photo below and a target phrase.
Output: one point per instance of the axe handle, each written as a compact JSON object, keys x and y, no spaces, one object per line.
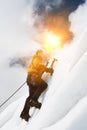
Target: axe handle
{"x":53,"y":62}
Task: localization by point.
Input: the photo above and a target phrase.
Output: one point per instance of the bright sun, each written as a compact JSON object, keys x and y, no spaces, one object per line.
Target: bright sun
{"x":51,"y":42}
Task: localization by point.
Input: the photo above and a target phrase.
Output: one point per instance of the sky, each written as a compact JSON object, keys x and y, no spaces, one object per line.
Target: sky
{"x":17,"y":31}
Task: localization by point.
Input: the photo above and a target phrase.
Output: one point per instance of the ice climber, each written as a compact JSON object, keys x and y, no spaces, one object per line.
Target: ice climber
{"x":35,"y":83}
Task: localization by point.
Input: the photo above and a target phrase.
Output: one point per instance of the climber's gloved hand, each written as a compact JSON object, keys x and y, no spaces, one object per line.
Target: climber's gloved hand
{"x":51,"y":70}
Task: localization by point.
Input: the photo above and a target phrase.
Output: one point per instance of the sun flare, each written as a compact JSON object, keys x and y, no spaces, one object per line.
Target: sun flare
{"x":51,"y":42}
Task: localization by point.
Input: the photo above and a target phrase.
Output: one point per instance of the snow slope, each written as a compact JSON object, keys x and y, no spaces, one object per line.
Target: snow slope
{"x":60,"y":105}
{"x":65,"y":103}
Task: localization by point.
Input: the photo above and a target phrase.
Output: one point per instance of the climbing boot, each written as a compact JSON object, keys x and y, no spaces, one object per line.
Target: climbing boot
{"x":25,"y":116}
{"x":36,"y":104}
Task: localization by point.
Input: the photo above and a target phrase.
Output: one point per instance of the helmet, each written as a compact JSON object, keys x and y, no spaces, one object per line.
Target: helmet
{"x":39,"y":52}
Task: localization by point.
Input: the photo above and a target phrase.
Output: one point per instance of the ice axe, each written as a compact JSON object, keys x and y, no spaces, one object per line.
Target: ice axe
{"x":52,"y":64}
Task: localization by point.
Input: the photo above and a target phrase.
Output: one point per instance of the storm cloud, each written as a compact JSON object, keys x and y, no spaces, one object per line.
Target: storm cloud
{"x":53,"y":15}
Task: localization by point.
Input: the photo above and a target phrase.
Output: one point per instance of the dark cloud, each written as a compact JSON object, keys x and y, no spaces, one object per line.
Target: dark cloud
{"x":55,"y":7}
{"x":44,"y":7}
{"x":73,"y":4}
{"x":53,"y":15}
{"x":19,"y":61}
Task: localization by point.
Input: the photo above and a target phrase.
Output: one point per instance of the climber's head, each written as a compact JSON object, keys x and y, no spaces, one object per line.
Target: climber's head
{"x":40,"y":53}
{"x":43,"y":55}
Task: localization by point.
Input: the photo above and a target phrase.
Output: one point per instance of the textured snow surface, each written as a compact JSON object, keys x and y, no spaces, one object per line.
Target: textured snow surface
{"x":65,"y":102}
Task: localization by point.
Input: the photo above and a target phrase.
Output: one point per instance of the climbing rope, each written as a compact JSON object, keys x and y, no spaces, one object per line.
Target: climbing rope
{"x":12,"y":95}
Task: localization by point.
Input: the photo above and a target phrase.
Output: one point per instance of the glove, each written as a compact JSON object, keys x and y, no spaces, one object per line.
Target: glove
{"x":51,"y":70}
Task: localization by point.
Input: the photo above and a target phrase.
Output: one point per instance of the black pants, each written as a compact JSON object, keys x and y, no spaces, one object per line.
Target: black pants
{"x":35,"y":90}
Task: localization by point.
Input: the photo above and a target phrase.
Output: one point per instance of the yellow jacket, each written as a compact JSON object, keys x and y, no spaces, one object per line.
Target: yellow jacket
{"x":35,"y":63}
